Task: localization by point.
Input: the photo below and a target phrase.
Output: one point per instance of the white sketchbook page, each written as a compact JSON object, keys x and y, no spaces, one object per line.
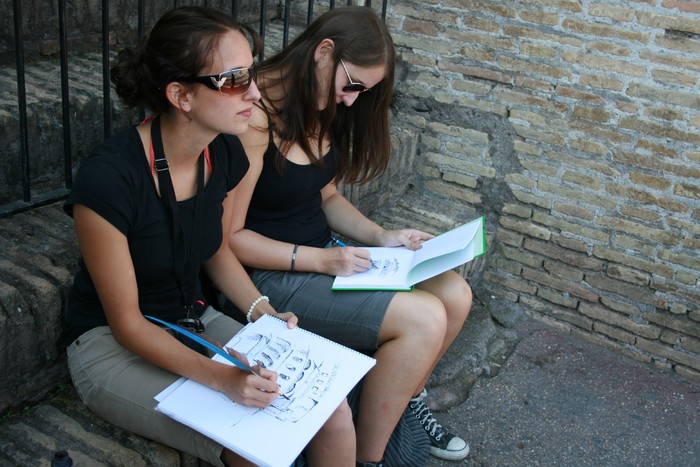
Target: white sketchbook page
{"x":390,"y":268}
{"x":315,"y":373}
{"x":448,"y":242}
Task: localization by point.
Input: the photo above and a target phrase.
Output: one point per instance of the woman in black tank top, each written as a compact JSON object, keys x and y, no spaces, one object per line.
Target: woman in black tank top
{"x":324,"y":119}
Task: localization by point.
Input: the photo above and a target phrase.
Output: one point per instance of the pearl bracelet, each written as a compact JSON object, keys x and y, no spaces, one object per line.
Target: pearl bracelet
{"x":253,"y":305}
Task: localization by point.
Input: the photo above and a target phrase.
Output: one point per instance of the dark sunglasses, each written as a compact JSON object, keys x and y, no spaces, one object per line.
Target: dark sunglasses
{"x":353,"y":86}
{"x":231,"y":82}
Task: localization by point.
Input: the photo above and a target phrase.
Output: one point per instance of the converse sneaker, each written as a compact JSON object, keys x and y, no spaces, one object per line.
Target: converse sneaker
{"x":442,"y":444}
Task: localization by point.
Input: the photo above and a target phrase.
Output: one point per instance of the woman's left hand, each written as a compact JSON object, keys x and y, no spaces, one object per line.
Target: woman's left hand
{"x":410,"y":238}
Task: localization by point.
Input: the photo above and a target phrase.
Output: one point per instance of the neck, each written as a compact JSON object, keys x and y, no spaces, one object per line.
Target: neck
{"x":183,"y":142}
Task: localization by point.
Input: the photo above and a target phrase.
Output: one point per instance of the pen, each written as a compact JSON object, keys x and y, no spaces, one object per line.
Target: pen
{"x":338,"y":242}
{"x":227,"y":354}
{"x":229,"y":351}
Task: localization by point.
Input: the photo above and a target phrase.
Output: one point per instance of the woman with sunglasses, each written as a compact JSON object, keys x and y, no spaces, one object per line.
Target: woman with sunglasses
{"x":323,"y":119}
{"x":150,"y":206}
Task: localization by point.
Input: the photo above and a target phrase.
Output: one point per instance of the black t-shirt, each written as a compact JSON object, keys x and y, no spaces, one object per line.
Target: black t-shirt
{"x":287,"y":206}
{"x":116,"y":182}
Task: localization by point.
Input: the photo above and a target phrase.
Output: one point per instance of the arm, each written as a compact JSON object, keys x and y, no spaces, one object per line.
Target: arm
{"x":258,"y":251}
{"x":231,"y":279}
{"x":347,"y":220}
{"x":106,"y":254}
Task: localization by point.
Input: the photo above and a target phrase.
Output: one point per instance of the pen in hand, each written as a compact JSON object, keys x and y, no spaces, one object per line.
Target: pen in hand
{"x":338,"y":242}
{"x":232,"y":353}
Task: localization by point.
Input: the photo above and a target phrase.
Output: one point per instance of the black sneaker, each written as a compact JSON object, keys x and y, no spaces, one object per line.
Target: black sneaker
{"x":442,"y":444}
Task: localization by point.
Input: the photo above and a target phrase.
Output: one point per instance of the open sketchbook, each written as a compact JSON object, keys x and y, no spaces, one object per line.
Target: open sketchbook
{"x":400,"y":268}
{"x":316,"y":374}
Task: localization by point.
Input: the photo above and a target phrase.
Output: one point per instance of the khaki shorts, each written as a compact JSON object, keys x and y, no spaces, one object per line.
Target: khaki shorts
{"x":120,"y":387}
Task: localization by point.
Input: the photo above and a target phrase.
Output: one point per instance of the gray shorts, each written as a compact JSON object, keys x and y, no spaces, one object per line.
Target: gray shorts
{"x":119,"y":386}
{"x":349,"y":317}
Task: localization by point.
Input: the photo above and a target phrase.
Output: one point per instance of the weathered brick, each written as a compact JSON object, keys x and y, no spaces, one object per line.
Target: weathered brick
{"x":533,"y":33}
{"x":601,"y":82}
{"x":586,"y":181}
{"x":684,"y":259}
{"x":686,"y":6}
{"x":570,"y":227}
{"x":553,"y":251}
{"x":687,"y":190}
{"x":460,"y":179}
{"x":640,"y":213}
{"x":690,"y":344}
{"x":651,"y":181}
{"x":633,"y":261}
{"x":601,"y":313}
{"x":660,"y":131}
{"x":414,"y":26}
{"x":598,"y":30}
{"x":645,"y":197}
{"x":511,"y":283}
{"x":684,"y":358}
{"x":628,"y":67}
{"x":615,"y":12}
{"x":604,"y":282}
{"x":669,"y":96}
{"x":517,"y":210}
{"x":558,"y":314}
{"x":557,"y":297}
{"x":670,"y":337}
{"x":678,"y":23}
{"x":580,"y":195}
{"x":619,"y":306}
{"x":680,"y":78}
{"x":524,"y":227}
{"x":614,"y":332}
{"x":522,"y":257}
{"x":569,"y":243}
{"x":559,"y":284}
{"x":576,"y":211}
{"x":508,"y":237}
{"x":687,"y":373}
{"x":677,"y":323}
{"x":655,"y":149}
{"x":628,"y":275}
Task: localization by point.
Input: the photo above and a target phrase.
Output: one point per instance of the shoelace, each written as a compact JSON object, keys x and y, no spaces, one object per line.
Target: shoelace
{"x":426,"y":418}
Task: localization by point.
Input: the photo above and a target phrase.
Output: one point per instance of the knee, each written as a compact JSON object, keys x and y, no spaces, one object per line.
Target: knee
{"x":340,"y":422}
{"x":457,"y":300}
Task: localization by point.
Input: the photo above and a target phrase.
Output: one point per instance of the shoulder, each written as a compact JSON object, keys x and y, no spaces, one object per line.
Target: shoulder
{"x":118,"y":153}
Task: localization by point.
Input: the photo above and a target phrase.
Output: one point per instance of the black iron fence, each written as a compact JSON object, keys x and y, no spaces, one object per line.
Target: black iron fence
{"x":21,"y":172}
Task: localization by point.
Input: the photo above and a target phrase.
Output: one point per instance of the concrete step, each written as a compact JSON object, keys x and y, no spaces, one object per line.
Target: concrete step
{"x":62,"y":422}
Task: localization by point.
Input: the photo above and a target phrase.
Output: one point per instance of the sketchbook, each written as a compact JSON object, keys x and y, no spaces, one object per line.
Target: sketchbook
{"x":399,"y":268}
{"x":315,"y":374}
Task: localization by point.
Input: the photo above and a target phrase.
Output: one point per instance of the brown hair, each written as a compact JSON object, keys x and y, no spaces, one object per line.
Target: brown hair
{"x":179,"y":46}
{"x":360,"y":131}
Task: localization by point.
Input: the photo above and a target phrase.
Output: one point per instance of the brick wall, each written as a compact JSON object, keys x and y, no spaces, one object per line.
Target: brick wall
{"x":574,"y":125}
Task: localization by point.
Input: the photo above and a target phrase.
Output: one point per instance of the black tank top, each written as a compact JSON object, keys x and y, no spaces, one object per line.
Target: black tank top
{"x":286,"y":206}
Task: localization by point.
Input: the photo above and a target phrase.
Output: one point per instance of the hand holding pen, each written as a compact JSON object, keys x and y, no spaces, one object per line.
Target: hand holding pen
{"x":347,"y":260}
{"x":259,"y":371}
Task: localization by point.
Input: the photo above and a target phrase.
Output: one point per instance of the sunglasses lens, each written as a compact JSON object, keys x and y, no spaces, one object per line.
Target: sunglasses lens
{"x":355,"y":87}
{"x":237,"y":81}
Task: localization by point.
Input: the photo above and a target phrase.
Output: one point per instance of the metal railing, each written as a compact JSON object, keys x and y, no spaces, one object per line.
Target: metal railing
{"x":29,"y":199}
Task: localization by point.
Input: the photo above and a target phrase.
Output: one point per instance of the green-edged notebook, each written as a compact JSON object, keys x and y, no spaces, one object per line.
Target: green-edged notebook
{"x":400,"y":268}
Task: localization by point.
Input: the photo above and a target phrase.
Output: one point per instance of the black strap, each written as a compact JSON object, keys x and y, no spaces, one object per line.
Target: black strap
{"x":181,"y":259}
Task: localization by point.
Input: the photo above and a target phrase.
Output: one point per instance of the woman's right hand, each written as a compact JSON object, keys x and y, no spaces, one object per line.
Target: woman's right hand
{"x":254,"y":390}
{"x":345,"y":261}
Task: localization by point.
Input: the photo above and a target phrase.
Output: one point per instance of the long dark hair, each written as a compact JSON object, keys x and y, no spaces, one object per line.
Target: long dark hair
{"x":179,"y":46}
{"x":360,"y":131}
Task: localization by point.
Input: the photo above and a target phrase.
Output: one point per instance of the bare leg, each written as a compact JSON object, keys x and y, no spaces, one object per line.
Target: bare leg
{"x":231,"y":459}
{"x":409,"y":341}
{"x":456,"y":296}
{"x":335,"y":443}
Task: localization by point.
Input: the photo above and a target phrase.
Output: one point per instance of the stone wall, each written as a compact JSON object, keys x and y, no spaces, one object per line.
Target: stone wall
{"x":574,"y":125}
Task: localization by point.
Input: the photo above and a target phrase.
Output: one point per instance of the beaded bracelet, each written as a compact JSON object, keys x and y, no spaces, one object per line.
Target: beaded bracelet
{"x":294,"y":256}
{"x":253,"y":305}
